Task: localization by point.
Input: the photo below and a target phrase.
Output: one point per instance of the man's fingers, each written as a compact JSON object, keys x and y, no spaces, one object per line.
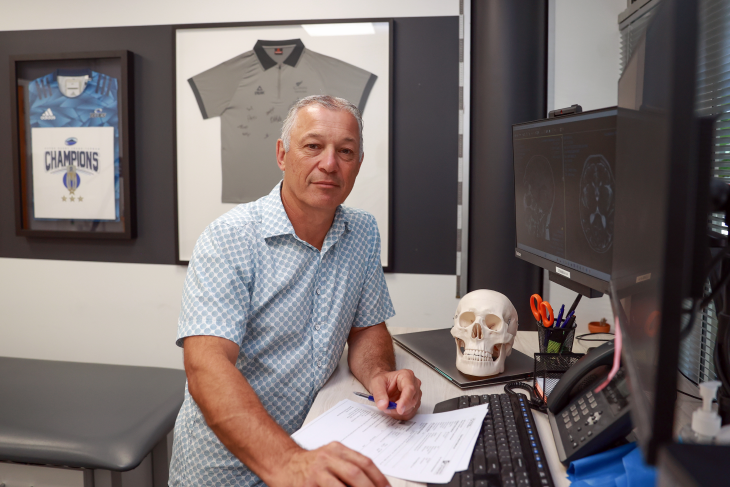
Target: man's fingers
{"x":367,"y":466}
{"x":401,"y":386}
{"x":409,"y":412}
{"x":410,"y":389}
{"x":407,"y":399}
{"x":327,"y":478}
{"x":350,"y":474}
{"x":379,"y":390}
{"x":356,"y":469}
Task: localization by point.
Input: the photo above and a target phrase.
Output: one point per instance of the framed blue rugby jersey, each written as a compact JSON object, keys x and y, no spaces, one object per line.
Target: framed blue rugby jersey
{"x":66,"y":108}
{"x":71,"y":133}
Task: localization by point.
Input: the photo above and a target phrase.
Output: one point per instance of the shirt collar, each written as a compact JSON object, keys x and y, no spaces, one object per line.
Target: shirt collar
{"x":266,"y":60}
{"x":72,"y":73}
{"x":275,"y":221}
{"x":340,"y":225}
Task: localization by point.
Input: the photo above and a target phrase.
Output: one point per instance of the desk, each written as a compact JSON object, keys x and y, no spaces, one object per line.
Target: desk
{"x":435,"y":389}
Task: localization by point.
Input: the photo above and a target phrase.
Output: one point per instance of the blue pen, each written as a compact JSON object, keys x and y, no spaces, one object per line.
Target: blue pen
{"x":391,"y":404}
{"x":567,"y":318}
{"x":560,"y":316}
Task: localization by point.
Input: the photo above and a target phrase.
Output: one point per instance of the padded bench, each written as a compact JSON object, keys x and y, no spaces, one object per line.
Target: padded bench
{"x":88,"y":416}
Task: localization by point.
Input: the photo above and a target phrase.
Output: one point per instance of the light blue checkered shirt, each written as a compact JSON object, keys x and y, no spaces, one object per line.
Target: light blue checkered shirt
{"x":287,"y":305}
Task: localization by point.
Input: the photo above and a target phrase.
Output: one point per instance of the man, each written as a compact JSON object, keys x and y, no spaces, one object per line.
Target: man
{"x":273,"y":291}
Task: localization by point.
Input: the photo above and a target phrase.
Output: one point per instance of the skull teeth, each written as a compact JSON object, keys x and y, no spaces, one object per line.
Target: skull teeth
{"x":477,"y":355}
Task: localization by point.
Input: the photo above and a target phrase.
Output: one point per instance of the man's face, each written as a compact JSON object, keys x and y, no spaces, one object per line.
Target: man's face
{"x":323,"y":159}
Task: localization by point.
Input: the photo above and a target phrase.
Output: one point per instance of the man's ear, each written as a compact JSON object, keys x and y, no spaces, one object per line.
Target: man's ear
{"x":280,"y":154}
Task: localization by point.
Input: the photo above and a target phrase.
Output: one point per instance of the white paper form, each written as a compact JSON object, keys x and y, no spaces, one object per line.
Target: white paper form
{"x":427,"y":448}
{"x":463,"y":464}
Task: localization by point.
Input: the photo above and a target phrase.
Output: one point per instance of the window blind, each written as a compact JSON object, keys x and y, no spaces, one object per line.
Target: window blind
{"x":631,"y":31}
{"x":713,"y":98}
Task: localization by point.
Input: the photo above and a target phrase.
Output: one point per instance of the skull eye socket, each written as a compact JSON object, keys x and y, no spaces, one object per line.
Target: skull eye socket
{"x":493,"y":322}
{"x":467,"y":319}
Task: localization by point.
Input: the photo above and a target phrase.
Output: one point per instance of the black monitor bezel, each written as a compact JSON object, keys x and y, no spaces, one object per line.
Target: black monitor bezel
{"x":655,"y":425}
{"x":580,"y":277}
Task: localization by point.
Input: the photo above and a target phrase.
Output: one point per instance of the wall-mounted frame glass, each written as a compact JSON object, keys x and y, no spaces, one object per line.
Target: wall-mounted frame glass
{"x":73,"y":161}
{"x":234,"y":86}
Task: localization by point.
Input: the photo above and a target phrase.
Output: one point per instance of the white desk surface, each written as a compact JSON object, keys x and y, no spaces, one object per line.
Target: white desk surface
{"x":436,"y":389}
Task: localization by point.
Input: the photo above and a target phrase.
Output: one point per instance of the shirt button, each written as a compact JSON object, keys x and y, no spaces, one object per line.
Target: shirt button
{"x":317,"y":327}
{"x":319,"y":364}
{"x":317,"y":290}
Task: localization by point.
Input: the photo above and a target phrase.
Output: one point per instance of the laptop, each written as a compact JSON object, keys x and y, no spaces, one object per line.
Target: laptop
{"x":436,"y":349}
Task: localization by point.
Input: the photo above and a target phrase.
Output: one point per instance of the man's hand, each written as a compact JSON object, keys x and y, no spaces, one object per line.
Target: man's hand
{"x":401,"y":387}
{"x":331,"y":465}
{"x":372,"y":361}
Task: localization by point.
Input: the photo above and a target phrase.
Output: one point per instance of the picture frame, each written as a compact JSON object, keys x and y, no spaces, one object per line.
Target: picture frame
{"x":202,"y":188}
{"x":73,"y":145}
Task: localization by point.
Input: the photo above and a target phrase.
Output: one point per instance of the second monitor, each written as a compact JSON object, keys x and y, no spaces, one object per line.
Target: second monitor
{"x":565,"y":195}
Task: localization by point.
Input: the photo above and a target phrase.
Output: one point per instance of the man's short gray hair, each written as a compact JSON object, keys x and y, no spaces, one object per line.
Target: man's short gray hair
{"x":326,"y":101}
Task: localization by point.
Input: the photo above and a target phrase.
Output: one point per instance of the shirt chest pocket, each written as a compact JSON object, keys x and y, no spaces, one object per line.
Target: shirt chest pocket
{"x":286,"y":264}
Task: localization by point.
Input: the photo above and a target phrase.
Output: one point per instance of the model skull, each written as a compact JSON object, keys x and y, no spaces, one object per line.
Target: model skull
{"x":485,"y":325}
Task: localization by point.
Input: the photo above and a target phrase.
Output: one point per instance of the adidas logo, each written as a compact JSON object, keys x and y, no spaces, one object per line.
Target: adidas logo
{"x":259,"y":91}
{"x":48,"y":115}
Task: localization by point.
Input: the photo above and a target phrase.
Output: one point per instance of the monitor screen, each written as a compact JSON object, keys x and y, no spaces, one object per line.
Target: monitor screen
{"x":565,"y":194}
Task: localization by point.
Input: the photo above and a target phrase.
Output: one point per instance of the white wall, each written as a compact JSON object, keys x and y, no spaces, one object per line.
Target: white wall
{"x":127,"y":313}
{"x":90,"y":311}
{"x":584,"y":51}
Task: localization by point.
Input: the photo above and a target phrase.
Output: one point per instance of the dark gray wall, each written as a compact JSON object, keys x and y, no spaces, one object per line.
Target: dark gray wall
{"x":153,"y":83}
{"x":509,"y":46}
{"x":425,"y":131}
{"x":426,"y":128}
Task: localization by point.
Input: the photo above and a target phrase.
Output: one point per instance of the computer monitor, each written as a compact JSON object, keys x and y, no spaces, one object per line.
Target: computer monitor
{"x":659,"y":228}
{"x":565,"y":196}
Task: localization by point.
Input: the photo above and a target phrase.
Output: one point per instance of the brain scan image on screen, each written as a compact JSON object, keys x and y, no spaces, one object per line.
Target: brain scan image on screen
{"x":597,"y":203}
{"x":539,"y":196}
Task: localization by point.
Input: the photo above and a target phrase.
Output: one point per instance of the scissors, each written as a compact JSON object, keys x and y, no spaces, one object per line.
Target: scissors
{"x":542,"y":311}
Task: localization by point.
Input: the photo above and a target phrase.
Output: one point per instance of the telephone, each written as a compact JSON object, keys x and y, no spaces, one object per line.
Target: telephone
{"x":585,"y":422}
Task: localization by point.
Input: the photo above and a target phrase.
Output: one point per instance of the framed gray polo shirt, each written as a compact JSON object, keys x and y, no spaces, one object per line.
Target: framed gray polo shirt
{"x":252,"y":94}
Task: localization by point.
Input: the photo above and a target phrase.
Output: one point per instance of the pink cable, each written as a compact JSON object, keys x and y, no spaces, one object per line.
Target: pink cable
{"x":616,"y":357}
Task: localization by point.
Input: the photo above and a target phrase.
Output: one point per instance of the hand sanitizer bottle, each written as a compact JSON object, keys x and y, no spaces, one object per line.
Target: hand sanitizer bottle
{"x":706,"y":423}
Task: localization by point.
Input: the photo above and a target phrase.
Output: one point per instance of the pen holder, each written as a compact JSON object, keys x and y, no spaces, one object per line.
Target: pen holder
{"x":555,"y":340}
{"x":549,"y":369}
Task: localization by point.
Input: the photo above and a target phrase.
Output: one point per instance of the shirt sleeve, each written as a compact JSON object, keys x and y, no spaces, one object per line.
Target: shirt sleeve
{"x":375,"y":305}
{"x":216,"y":296}
{"x":345,"y":80}
{"x":214,"y":88}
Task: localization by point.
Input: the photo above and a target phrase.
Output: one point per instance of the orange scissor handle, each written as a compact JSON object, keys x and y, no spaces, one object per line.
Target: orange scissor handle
{"x":548,"y":318}
{"x":542,"y":311}
{"x":535,"y":302}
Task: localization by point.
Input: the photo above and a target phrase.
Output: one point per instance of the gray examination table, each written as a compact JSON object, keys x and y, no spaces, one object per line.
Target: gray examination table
{"x":89,"y":416}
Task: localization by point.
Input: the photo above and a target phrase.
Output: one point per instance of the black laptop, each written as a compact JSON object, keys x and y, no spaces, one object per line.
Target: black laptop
{"x":436,"y":349}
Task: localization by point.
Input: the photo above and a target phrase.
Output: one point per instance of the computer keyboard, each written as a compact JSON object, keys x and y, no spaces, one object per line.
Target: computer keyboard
{"x":508,"y":452}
